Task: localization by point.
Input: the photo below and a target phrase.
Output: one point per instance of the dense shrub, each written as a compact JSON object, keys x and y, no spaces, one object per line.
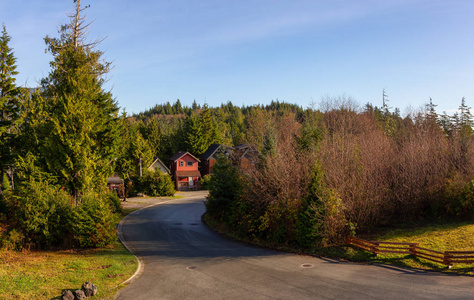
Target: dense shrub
{"x":224,"y":190}
{"x":467,"y":202}
{"x":152,"y":184}
{"x":156,"y":184}
{"x":285,"y":199}
{"x":41,"y":213}
{"x":93,"y":223}
{"x":205,"y":182}
{"x":459,"y":199}
{"x":321,"y":220}
{"x":114,"y":202}
{"x":44,"y":216}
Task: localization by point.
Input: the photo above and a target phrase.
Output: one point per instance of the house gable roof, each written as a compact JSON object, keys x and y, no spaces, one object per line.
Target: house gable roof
{"x":246,"y":151}
{"x":158,"y":161}
{"x":212,"y":150}
{"x":181,"y":154}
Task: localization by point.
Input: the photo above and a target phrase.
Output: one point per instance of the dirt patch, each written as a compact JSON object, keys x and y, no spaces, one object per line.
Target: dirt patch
{"x":131,"y":205}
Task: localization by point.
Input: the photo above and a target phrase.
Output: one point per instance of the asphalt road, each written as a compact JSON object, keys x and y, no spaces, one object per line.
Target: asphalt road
{"x":185,"y":260}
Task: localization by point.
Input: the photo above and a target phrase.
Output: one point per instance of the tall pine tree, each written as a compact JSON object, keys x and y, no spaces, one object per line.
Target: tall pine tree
{"x":77,"y":133}
{"x":193,"y":136}
{"x":208,"y":128}
{"x":9,"y":104}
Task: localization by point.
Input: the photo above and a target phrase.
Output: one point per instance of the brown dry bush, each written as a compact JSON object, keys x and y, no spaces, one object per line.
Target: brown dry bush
{"x":363,"y":170}
{"x":356,"y":156}
{"x":277,"y":185}
{"x":419,"y":170}
{"x":382,"y":175}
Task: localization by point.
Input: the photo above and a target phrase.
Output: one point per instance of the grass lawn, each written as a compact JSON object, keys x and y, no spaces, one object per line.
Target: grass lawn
{"x":44,"y":275}
{"x":439,"y":237}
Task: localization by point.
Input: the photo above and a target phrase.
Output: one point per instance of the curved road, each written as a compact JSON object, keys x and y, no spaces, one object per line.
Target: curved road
{"x":185,"y":260}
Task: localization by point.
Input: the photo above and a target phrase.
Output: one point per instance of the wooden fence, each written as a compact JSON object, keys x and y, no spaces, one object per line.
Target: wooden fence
{"x":447,"y":258}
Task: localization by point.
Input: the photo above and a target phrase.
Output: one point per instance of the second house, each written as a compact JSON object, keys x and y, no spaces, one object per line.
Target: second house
{"x":184,"y":168}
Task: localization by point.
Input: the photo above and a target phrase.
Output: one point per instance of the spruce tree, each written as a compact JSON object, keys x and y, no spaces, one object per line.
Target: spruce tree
{"x":466,"y":121}
{"x":194,"y":138}
{"x":208,"y":132}
{"x":9,"y":104}
{"x":154,"y":136}
{"x":77,"y":135}
{"x":431,"y":114}
{"x":178,"y":108}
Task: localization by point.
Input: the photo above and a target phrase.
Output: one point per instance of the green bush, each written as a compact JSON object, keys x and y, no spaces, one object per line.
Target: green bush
{"x":466,"y":202}
{"x":321,"y":220}
{"x":205,"y":181}
{"x":12,"y":240}
{"x":278,"y":223}
{"x":224,"y":190}
{"x":156,"y":184}
{"x":114,"y":202}
{"x":459,"y":199}
{"x":5,"y":182}
{"x":44,"y":216}
{"x":93,"y":223}
{"x":41,"y":213}
{"x":152,"y":184}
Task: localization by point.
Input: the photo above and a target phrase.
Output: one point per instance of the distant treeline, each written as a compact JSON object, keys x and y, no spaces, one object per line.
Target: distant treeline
{"x":177,"y":108}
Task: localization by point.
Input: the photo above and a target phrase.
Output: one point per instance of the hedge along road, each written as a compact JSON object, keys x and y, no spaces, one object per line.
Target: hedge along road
{"x":183,"y":259}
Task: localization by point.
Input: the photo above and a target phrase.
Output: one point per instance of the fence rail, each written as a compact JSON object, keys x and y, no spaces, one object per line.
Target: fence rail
{"x":447,"y":258}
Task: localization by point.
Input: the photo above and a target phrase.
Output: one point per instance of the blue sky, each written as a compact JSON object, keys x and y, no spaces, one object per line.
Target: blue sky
{"x":254,"y":51}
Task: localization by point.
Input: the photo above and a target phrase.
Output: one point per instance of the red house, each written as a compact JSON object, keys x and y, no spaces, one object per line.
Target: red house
{"x":209,"y":157}
{"x":184,"y":168}
{"x":245,"y":156}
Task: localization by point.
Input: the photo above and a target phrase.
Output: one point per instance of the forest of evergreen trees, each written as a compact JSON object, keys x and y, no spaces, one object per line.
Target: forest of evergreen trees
{"x":321,"y":173}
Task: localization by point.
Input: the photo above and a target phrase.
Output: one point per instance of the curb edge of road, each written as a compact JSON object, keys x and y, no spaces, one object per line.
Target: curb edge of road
{"x":141,"y":263}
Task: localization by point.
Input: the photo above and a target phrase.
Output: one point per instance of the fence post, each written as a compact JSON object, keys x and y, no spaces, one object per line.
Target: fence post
{"x":448,"y":260}
{"x":375,"y":248}
{"x":412,"y":249}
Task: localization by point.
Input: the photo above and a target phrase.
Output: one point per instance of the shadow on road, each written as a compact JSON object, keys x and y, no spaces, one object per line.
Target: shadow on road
{"x":176,"y":230}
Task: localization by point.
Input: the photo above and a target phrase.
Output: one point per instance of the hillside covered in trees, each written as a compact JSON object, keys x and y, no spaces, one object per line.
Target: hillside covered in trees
{"x":321,"y":173}
{"x":324,"y":173}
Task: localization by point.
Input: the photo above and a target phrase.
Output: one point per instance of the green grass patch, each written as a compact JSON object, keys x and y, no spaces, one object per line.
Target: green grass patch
{"x":439,"y":237}
{"x":128,"y":210}
{"x":44,"y":274}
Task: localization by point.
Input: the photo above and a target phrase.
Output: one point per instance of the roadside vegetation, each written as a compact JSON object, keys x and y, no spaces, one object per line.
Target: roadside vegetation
{"x":347,"y":171}
{"x":440,"y":237}
{"x":45,"y":274}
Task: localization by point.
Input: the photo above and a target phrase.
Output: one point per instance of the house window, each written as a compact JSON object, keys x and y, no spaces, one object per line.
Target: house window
{"x":189,"y":163}
{"x":181,"y":163}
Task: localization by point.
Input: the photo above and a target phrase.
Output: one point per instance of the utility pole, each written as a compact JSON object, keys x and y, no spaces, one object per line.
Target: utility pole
{"x":140,"y":165}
